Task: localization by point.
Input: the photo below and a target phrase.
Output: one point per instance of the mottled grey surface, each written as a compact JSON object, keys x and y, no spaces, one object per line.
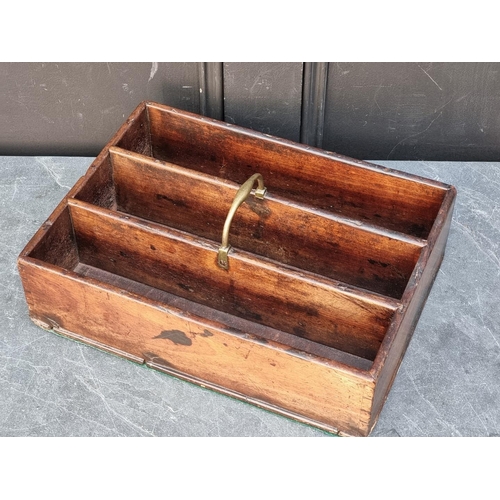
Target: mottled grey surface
{"x":448,"y":384}
{"x":449,"y":381}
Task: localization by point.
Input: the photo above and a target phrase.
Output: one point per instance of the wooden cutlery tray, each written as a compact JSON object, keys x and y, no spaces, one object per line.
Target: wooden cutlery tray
{"x":304,"y":306}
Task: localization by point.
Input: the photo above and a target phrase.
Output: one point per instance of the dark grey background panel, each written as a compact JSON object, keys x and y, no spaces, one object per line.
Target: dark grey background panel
{"x":212,"y":89}
{"x":74,"y":108}
{"x":314,"y":83}
{"x":377,"y":111}
{"x":418,"y":111}
{"x":264,"y":97}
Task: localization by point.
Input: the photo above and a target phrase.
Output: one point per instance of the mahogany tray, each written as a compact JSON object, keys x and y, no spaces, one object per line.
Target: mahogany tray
{"x":299,"y":296}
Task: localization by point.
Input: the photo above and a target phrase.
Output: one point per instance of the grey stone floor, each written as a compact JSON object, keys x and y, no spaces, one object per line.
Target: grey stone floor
{"x":448,"y":383}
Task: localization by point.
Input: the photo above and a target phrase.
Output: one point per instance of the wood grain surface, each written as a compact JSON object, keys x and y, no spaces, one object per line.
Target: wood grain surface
{"x":299,"y":173}
{"x":364,"y":256}
{"x":259,"y":290}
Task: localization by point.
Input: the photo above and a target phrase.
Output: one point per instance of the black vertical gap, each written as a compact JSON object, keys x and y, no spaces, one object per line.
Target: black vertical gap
{"x":211,"y":89}
{"x":314,"y":82}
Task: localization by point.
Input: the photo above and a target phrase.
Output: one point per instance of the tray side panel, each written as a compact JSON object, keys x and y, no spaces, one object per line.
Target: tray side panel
{"x":399,"y":335}
{"x":283,"y":381}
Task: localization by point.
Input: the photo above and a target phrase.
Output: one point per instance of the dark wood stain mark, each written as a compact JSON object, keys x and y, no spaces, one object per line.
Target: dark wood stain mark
{"x":298,"y":353}
{"x":177,"y":203}
{"x":206,"y":333}
{"x":300,"y":331}
{"x":237,"y":331}
{"x":258,"y":207}
{"x":154,"y":358}
{"x":377,"y":263}
{"x":418,"y":230}
{"x":304,"y":309}
{"x":260,"y":340}
{"x":257,"y":234}
{"x":53,"y":321}
{"x":250,"y":315}
{"x":185,"y":287}
{"x":176,"y":336}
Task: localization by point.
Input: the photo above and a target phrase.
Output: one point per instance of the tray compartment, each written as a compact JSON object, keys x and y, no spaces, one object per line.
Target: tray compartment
{"x":378,"y":260}
{"x":254,"y":289}
{"x":57,"y":245}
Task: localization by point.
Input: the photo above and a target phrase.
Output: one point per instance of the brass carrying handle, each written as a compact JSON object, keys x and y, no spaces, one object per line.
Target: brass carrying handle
{"x":241,"y":196}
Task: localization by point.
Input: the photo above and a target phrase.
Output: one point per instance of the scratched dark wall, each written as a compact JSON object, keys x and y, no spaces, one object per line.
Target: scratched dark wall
{"x":406,"y":111}
{"x":74,"y":108}
{"x":265,"y":97}
{"x":414,"y":111}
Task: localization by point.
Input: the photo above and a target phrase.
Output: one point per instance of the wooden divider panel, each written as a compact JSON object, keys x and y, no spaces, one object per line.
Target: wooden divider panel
{"x":385,"y":197}
{"x":378,"y":260}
